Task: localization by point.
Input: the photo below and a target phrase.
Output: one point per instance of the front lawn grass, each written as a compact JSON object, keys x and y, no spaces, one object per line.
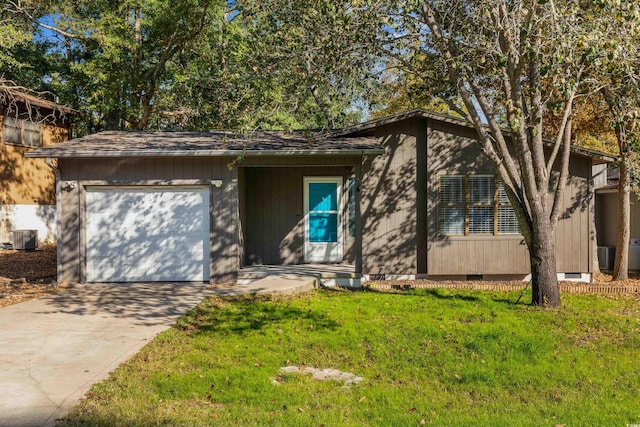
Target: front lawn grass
{"x":427,"y":357}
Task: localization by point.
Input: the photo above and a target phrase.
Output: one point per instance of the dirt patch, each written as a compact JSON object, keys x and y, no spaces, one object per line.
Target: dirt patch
{"x":27,"y":275}
{"x":29,"y":265}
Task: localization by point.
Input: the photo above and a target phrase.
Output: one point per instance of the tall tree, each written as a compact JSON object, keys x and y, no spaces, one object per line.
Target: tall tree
{"x":137,"y":64}
{"x":618,"y":77}
{"x":591,"y":129}
{"x":119,"y":51}
{"x":505,"y":61}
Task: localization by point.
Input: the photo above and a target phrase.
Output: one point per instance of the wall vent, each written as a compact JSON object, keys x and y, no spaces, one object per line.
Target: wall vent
{"x":26,"y":240}
{"x":475,"y":277}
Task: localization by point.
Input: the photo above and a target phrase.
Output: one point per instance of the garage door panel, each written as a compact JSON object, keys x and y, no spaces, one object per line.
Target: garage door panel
{"x":104,"y":270}
{"x":189,"y":271}
{"x":187,"y":223}
{"x":166,"y":249}
{"x":147,"y":234}
{"x":177,"y":250}
{"x":125,"y":245}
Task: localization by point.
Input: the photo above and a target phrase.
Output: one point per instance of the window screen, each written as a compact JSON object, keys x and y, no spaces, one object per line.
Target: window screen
{"x":452,"y":220}
{"x":481,"y":206}
{"x":452,"y":189}
{"x":31,"y":134}
{"x":11,"y":130}
{"x":452,"y":205}
{"x":21,"y":132}
{"x":507,"y":221}
{"x":481,"y":189}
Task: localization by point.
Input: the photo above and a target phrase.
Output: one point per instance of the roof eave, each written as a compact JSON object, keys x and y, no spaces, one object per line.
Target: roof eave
{"x":43,"y":103}
{"x":596,"y":156}
{"x":53,"y":153}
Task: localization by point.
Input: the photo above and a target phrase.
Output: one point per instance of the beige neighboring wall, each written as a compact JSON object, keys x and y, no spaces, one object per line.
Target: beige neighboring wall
{"x":26,"y":181}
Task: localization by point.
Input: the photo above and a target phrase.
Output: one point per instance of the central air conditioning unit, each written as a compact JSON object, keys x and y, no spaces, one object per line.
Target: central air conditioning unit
{"x":26,"y":240}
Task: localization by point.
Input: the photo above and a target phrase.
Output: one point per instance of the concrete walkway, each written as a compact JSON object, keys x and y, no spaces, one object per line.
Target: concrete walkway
{"x":54,"y":348}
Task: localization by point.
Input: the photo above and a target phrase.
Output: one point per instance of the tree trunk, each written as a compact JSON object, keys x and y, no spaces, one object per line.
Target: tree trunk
{"x":542,"y":254}
{"x":595,"y":264}
{"x":621,"y":265}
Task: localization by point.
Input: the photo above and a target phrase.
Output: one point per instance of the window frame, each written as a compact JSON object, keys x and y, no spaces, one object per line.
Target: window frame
{"x":21,"y":125}
{"x":495,"y":203}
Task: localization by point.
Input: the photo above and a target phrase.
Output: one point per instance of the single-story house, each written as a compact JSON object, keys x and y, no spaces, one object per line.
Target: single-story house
{"x":407,"y":196}
{"x":27,"y":186}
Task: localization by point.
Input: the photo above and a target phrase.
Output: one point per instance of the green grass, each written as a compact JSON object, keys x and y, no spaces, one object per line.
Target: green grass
{"x":428,"y":357}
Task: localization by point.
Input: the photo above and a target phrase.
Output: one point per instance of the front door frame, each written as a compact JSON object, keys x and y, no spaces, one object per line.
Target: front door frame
{"x":329,"y":252}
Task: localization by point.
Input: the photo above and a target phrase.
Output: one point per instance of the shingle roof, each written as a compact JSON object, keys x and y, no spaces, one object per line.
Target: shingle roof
{"x":208,"y":143}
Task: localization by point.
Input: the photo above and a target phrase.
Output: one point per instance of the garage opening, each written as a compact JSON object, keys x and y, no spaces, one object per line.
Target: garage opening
{"x":147,"y":234}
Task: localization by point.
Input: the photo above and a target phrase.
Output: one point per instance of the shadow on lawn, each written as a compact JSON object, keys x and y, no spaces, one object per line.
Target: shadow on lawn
{"x":248,"y":314}
{"x":438,"y":293}
{"x":454,"y":295}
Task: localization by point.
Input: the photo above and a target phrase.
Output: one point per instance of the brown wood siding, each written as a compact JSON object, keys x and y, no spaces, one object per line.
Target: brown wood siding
{"x":607,"y":217}
{"x":453,"y":150}
{"x":69,"y":233}
{"x":224,"y":235}
{"x":390,"y":202}
{"x":273,"y":223}
{"x":572,"y":236}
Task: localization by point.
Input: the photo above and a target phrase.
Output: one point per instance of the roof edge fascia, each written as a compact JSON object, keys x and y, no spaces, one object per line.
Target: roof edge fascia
{"x":201,"y":153}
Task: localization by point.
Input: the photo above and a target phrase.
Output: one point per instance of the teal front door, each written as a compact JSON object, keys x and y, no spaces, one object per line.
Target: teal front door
{"x":322,"y":219}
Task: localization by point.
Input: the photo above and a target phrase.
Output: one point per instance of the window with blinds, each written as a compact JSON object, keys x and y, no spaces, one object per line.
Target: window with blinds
{"x":453,"y":199}
{"x":474,"y":205}
{"x":507,"y":221}
{"x":481,"y":204}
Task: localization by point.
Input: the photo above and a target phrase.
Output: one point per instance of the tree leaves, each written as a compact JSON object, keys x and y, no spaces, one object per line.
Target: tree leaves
{"x":136,"y":64}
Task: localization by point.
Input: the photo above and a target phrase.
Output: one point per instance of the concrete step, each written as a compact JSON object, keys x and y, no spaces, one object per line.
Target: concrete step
{"x":283,"y":284}
{"x":255,"y":272}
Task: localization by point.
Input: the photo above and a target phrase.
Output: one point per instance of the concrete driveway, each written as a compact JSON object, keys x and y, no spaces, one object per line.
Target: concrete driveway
{"x":54,"y":348}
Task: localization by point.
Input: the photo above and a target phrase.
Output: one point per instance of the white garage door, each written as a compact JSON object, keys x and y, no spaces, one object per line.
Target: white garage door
{"x":147,"y":234}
